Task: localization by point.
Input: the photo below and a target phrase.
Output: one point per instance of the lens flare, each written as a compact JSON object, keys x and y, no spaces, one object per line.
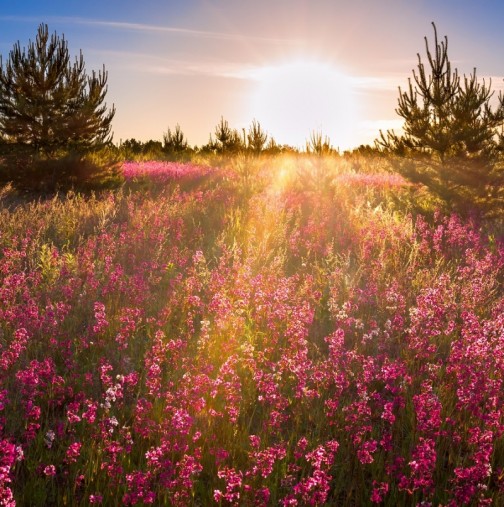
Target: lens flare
{"x":294,"y":99}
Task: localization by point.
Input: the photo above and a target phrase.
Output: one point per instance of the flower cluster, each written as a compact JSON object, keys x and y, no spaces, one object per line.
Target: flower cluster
{"x":303,"y":342}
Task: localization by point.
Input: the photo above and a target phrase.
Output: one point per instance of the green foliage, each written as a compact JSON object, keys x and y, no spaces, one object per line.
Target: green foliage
{"x":450,"y":141}
{"x":51,"y":114}
{"x":319,"y":145}
{"x":175,"y":144}
{"x":273,"y":148}
{"x":228,"y":140}
{"x":256,"y":138}
{"x":93,"y":170}
{"x":48,"y":103}
{"x":153,"y":148}
{"x":365,"y":150}
{"x":132,"y":149}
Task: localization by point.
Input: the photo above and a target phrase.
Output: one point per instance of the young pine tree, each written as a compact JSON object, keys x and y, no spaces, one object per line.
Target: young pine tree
{"x":48,"y":102}
{"x":228,"y":140}
{"x":174,"y":143}
{"x":319,"y":145}
{"x":451,"y":140}
{"x":256,"y":138}
{"x":49,"y":106}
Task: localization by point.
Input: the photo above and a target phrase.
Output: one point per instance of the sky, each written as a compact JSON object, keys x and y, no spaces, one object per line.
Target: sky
{"x":296,"y":66}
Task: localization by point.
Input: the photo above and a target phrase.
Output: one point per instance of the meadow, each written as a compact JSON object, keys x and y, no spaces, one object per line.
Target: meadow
{"x":281,"y":331}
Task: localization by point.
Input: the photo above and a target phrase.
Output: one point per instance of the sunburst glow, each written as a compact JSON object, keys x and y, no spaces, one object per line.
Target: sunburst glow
{"x":295,"y":98}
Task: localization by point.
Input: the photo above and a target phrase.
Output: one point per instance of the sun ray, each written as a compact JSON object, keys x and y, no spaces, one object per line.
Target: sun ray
{"x":295,"y":98}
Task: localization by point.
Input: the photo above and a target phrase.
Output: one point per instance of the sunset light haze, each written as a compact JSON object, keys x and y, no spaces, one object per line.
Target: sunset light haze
{"x":295,"y":66}
{"x":251,"y":253}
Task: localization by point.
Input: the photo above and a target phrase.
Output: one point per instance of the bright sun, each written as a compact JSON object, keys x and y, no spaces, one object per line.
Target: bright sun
{"x":296,"y":98}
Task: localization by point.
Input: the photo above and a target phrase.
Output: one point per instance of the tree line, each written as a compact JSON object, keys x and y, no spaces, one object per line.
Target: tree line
{"x":53,"y":119}
{"x":224,"y":141}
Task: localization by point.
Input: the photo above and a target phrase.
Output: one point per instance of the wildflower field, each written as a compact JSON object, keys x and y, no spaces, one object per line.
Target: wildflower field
{"x":283,"y":332}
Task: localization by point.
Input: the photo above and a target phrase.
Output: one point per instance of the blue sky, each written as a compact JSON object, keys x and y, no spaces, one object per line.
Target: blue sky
{"x":193,"y":61}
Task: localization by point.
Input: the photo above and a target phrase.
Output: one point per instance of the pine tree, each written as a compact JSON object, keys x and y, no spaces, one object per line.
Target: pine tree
{"x":256,"y":137}
{"x":319,"y":145}
{"x":174,"y":142}
{"x":49,"y":105}
{"x":450,"y":141}
{"x":228,"y":140}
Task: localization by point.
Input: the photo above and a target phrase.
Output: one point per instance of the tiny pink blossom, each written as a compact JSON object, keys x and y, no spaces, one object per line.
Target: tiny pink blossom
{"x":50,"y":470}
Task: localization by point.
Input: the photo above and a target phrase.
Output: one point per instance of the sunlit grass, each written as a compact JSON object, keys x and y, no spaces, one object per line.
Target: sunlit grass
{"x":287,"y":330}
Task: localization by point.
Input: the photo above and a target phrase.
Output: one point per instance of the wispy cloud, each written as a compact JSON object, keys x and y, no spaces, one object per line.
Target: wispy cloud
{"x":152,"y":64}
{"x":148,"y":28}
{"x":194,"y":69}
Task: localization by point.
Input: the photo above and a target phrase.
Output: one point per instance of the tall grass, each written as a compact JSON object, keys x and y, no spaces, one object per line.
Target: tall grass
{"x":278,"y":332}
